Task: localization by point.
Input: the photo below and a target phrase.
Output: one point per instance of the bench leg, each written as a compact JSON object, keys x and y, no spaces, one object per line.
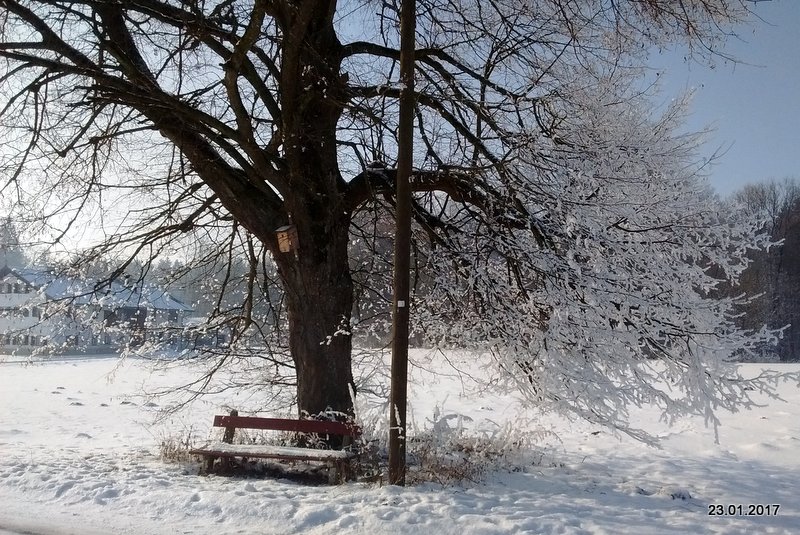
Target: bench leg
{"x":339,"y":472}
{"x":226,"y":465}
{"x":333,"y":473}
{"x":210,"y":464}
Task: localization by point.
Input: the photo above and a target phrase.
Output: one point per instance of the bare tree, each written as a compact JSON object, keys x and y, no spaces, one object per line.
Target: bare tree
{"x":231,"y":119}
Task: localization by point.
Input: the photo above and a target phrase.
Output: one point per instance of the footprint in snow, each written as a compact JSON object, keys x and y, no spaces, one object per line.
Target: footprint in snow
{"x":64,"y":488}
{"x":103,"y":497}
{"x":347,"y":521}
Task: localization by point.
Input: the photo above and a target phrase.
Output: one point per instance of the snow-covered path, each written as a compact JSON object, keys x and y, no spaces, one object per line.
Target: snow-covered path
{"x":79,"y":454}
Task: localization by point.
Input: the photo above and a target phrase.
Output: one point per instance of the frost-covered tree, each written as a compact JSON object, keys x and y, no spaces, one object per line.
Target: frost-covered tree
{"x":560,"y":224}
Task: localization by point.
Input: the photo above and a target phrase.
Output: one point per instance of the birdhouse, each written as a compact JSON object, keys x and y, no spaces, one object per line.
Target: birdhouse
{"x":287,"y":238}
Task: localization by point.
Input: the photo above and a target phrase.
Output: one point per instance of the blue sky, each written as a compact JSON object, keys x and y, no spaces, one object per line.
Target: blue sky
{"x":753,"y":105}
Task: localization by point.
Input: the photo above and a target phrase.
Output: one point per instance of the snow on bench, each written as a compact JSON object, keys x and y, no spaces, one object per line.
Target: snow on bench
{"x":222,"y":449}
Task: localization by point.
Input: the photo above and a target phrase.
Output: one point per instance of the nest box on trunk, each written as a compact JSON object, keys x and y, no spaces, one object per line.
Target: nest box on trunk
{"x":287,"y":238}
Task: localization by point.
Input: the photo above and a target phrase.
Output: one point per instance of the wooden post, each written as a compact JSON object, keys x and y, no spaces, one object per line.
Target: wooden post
{"x":227,"y":437}
{"x":402,"y":249}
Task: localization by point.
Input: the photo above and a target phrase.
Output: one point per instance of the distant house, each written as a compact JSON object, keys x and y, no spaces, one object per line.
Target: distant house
{"x":45,"y":311}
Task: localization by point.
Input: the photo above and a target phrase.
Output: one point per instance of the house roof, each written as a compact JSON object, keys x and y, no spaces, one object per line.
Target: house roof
{"x":87,"y":291}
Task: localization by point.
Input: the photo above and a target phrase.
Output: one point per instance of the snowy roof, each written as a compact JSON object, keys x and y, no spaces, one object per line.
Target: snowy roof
{"x":84,"y":291}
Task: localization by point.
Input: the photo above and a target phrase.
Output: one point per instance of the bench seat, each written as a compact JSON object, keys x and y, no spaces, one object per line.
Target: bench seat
{"x":286,"y":453}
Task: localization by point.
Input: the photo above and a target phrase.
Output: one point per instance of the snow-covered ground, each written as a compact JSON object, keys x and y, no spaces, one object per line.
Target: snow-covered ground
{"x":79,"y":454}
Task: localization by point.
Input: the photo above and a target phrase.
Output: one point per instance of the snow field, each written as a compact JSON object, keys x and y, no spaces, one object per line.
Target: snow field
{"x":79,"y":454}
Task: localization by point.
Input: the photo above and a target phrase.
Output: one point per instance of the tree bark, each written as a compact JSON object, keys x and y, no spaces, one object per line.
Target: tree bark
{"x":319,"y":296}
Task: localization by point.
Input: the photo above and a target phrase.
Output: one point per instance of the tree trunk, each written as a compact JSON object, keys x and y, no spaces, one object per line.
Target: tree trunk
{"x":317,"y":282}
{"x":319,"y":296}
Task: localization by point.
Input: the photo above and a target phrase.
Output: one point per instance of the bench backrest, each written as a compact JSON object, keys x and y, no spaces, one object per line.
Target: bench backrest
{"x":321,"y":427}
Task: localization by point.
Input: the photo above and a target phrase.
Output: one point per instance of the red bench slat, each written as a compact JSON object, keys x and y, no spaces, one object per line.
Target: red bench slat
{"x":281,"y":424}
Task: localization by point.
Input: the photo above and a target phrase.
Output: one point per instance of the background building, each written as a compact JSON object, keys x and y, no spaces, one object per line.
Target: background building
{"x":45,"y":310}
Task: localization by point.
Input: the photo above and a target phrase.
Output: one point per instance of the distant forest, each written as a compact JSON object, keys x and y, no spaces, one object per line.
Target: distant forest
{"x":774,"y":275}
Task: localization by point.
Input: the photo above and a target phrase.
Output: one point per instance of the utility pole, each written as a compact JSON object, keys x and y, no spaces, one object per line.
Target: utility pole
{"x":402,"y":249}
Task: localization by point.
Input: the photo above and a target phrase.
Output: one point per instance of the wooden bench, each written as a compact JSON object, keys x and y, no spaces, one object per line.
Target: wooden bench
{"x":338,"y":461}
